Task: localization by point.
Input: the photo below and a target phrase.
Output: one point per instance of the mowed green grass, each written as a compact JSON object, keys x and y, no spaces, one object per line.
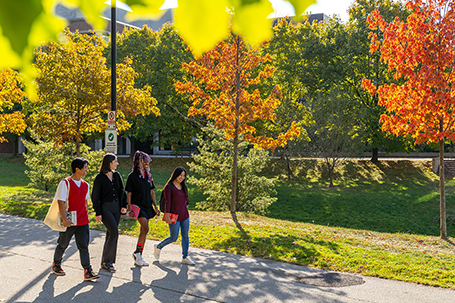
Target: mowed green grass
{"x":378,"y":220}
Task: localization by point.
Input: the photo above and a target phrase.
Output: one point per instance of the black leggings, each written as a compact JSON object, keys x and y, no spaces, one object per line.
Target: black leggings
{"x":110,"y":212}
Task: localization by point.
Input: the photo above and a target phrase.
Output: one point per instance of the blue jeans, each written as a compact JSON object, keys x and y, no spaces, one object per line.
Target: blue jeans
{"x":184,"y":227}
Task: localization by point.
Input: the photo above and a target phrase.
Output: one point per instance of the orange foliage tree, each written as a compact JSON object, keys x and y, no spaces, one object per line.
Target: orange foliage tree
{"x":11,"y":94}
{"x":421,"y":54}
{"x":222,"y":89}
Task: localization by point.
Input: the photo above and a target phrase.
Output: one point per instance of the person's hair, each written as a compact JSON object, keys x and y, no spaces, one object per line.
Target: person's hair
{"x":105,"y":166}
{"x":138,"y":165}
{"x":177,"y":172}
{"x":78,"y":162}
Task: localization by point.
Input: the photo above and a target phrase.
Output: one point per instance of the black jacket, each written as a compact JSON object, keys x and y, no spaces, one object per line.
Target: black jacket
{"x":105,"y":190}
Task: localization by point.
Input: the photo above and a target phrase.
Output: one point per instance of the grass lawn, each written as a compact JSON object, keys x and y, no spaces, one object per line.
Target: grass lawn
{"x":378,"y":220}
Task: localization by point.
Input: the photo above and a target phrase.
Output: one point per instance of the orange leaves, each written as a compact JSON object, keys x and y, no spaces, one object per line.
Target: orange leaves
{"x":421,"y":53}
{"x":220,"y":89}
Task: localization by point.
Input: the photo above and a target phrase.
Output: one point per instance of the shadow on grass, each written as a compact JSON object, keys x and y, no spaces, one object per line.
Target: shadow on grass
{"x":393,"y":196}
{"x":277,"y":247}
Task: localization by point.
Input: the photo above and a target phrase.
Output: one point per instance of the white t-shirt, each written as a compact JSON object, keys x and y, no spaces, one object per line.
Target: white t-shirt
{"x":62,"y":190}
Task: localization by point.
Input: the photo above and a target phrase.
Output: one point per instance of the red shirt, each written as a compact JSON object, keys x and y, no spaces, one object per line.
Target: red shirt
{"x":76,"y":201}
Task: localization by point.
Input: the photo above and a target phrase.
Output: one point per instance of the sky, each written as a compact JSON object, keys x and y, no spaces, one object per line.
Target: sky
{"x":328,"y":7}
{"x":284,"y":8}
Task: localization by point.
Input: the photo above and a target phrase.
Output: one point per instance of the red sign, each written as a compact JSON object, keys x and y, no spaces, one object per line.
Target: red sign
{"x":111,"y":117}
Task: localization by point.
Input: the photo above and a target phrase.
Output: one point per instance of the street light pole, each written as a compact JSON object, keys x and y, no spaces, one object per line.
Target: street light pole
{"x":113,"y":55}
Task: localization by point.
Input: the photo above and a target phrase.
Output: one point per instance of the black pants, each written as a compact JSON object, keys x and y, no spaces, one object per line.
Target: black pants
{"x":82,"y":235}
{"x":110,"y":212}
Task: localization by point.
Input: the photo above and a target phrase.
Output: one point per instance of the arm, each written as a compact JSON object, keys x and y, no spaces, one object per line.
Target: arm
{"x":128,"y":201}
{"x":157,"y":210}
{"x":121,"y":192}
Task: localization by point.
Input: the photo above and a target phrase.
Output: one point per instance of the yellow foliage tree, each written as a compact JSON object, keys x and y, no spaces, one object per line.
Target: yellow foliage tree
{"x":73,"y":96}
{"x":11,"y":93}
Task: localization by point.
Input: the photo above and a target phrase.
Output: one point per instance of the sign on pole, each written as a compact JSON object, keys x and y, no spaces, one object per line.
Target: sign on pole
{"x":111,"y":141}
{"x":111,"y":120}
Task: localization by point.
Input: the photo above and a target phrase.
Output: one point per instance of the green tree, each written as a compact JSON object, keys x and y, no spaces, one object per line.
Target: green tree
{"x":74,"y":91}
{"x":157,"y":58}
{"x":213,"y":166}
{"x":364,"y":64}
{"x":334,"y":132}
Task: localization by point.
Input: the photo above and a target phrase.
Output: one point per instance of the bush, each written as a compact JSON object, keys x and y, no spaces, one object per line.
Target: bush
{"x":213,"y":165}
{"x":49,"y":163}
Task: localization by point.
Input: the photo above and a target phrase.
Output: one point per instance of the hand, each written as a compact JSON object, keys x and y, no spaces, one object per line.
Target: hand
{"x":131,"y":215}
{"x":157,"y":210}
{"x":67,"y":223}
{"x":167,"y":218}
{"x":98,"y":218}
{"x":123,"y":210}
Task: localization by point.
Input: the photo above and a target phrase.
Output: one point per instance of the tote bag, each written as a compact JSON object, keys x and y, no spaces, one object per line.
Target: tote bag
{"x":52,"y":217}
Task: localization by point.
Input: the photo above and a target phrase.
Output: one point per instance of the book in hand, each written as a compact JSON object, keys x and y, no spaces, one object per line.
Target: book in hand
{"x":70,"y":216}
{"x":172,"y":216}
{"x":135,"y":209}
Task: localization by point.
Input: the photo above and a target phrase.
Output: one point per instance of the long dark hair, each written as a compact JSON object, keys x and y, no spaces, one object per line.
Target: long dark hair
{"x":177,"y":172}
{"x":105,"y":166}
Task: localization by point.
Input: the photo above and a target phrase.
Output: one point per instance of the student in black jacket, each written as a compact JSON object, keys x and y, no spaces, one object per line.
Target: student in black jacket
{"x":108,"y":202}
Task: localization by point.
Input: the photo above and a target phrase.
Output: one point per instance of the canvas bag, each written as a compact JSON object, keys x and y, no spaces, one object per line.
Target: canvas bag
{"x":52,"y":216}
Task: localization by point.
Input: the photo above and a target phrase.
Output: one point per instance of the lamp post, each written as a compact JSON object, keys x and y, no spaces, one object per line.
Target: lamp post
{"x":111,"y":131}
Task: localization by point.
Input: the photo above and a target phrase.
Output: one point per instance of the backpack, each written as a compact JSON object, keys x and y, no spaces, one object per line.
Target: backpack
{"x":163,"y":200}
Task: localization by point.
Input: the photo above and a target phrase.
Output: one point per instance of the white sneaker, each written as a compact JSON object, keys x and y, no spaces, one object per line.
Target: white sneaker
{"x":138,"y":260}
{"x":157,"y":252}
{"x":188,"y":261}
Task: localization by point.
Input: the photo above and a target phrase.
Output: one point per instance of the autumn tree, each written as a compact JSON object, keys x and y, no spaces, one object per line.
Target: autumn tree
{"x":157,"y":58}
{"x":221,"y":85}
{"x":11,"y":95}
{"x":420,"y":51}
{"x":73,"y":96}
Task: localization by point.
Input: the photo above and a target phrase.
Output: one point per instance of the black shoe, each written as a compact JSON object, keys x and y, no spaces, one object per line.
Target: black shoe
{"x":108,"y":266}
{"x":89,"y":275}
{"x":57,"y":270}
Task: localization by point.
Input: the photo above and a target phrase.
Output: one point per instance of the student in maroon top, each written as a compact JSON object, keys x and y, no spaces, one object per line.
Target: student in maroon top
{"x":77,"y":199}
{"x":176,"y":197}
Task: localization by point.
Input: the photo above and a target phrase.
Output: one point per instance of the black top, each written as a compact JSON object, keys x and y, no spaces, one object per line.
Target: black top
{"x":105,"y":190}
{"x":140,"y":190}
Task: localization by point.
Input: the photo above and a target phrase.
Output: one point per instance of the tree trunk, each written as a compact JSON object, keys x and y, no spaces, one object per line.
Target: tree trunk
{"x":375,"y":156}
{"x":288,"y":167}
{"x":443,"y":226}
{"x":234,"y":178}
{"x":15,"y":146}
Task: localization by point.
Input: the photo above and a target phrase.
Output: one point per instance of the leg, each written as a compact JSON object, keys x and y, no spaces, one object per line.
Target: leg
{"x":174,"y":235}
{"x":111,"y":218}
{"x":82,"y":235}
{"x":184,"y":230}
{"x":63,"y":241}
{"x":144,"y":230}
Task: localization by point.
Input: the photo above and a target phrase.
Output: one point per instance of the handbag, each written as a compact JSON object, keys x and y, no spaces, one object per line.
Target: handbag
{"x":52,"y":218}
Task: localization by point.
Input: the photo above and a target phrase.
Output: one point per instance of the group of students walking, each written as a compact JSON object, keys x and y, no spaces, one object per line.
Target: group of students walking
{"x":110,"y":200}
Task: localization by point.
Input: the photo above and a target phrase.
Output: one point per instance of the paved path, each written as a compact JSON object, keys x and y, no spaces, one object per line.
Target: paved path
{"x":27,"y":246}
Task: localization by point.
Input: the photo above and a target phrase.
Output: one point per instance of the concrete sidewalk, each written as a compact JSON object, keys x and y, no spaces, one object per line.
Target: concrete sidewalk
{"x":27,"y":247}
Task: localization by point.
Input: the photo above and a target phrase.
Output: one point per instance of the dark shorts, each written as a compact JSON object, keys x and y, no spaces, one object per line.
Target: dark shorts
{"x":147,"y":213}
